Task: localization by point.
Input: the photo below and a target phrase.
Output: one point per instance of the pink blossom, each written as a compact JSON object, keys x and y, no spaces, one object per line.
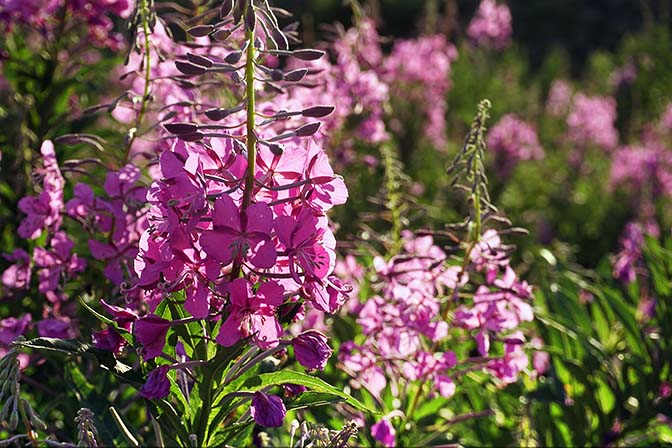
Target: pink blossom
{"x":18,"y":275}
{"x":384,"y":432}
{"x":559,"y":98}
{"x":513,"y":140}
{"x":151,"y":331}
{"x":252,"y":314}
{"x":591,"y":121}
{"x":237,"y":235}
{"x":491,"y":26}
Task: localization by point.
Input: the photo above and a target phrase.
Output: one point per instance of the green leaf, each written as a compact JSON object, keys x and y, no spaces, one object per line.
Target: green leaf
{"x":312,"y":399}
{"x":264,"y":380}
{"x":74,"y":347}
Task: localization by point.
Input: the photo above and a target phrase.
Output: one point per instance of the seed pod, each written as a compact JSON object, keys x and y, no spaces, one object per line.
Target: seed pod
{"x":226,"y":8}
{"x":308,"y":54}
{"x":308,"y":129}
{"x":200,"y":30}
{"x":181,"y":128}
{"x":296,"y":75}
{"x":233,"y":58}
{"x":317,"y":111}
{"x":199,"y":60}
{"x":190,"y":69}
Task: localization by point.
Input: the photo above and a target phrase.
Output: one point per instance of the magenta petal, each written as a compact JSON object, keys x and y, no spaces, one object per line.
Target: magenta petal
{"x":229,"y":333}
{"x":267,"y":329}
{"x":226,"y":214}
{"x":218,"y":245}
{"x":259,"y":218}
{"x":197,"y":303}
{"x":263,"y":254}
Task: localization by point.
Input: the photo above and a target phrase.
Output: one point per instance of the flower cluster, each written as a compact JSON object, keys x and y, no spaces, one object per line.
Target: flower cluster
{"x":646,"y":169}
{"x":47,"y":16}
{"x":513,"y":140}
{"x":417,"y":70}
{"x":592,"y":121}
{"x":491,"y":26}
{"x":559,"y":98}
{"x":409,"y":314}
{"x":627,"y":260}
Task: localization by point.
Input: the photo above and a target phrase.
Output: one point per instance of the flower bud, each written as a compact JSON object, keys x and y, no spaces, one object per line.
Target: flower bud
{"x":308,"y":129}
{"x":317,"y":111}
{"x":311,"y":349}
{"x":181,"y":128}
{"x":234,"y":57}
{"x":267,"y":410}
{"x":199,"y":60}
{"x":200,"y":30}
{"x":296,"y":75}
{"x":308,"y":54}
{"x":226,"y":8}
{"x":189,"y":69}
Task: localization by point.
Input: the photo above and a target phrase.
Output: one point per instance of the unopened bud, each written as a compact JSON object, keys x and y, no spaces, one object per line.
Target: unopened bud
{"x":233,"y":58}
{"x":181,"y":128}
{"x":296,"y":75}
{"x":199,"y":60}
{"x":308,"y":129}
{"x":189,"y":69}
{"x":317,"y":111}
{"x":200,"y":30}
{"x":308,"y":54}
{"x":226,"y":8}
{"x":250,"y":18}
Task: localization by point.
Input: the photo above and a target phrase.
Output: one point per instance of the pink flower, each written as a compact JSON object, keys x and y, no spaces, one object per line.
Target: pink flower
{"x":151,"y":331}
{"x":491,"y":26}
{"x":55,"y":264}
{"x":55,"y":328}
{"x":384,"y":432}
{"x":591,"y":121}
{"x":237,"y":235}
{"x":513,"y":140}
{"x":252,"y":314}
{"x":44,"y":210}
{"x":311,"y":350}
{"x":157,"y":385}
{"x":307,"y":241}
{"x":17,"y":276}
{"x":267,"y":410}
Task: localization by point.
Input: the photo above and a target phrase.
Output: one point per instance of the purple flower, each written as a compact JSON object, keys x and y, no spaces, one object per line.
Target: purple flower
{"x":151,"y":333}
{"x":157,"y":384}
{"x":55,"y":264}
{"x":559,"y":98}
{"x":384,"y":432}
{"x":12,"y":327}
{"x":55,"y":328}
{"x":311,"y":350}
{"x":267,"y":410}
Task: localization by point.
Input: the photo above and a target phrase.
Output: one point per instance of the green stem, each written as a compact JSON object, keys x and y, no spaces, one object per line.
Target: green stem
{"x":145,"y":12}
{"x":251,"y":140}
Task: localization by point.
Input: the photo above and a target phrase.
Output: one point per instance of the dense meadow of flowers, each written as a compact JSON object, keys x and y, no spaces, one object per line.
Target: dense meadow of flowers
{"x":215,"y":236}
